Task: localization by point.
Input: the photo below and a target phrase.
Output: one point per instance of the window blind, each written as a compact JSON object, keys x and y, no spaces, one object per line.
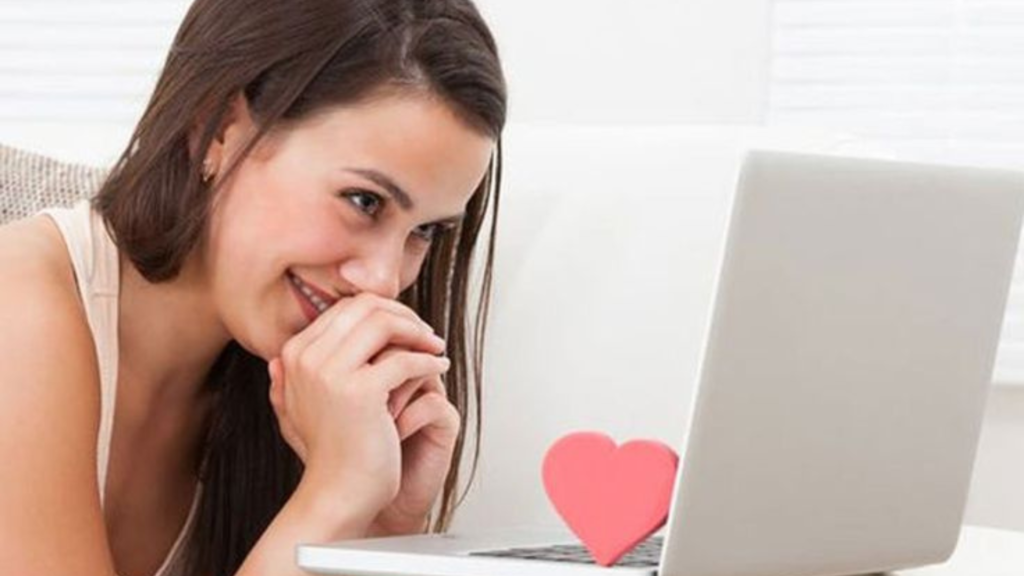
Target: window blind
{"x":75,"y":61}
{"x":928,"y":80}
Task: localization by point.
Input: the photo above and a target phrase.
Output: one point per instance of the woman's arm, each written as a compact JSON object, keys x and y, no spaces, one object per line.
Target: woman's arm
{"x":50,"y":516}
{"x":314,"y":514}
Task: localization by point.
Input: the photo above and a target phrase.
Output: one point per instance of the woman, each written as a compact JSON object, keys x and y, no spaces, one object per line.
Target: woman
{"x":242,"y":341}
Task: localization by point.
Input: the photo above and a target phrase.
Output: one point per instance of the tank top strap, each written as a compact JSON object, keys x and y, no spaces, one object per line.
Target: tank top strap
{"x":94,"y":257}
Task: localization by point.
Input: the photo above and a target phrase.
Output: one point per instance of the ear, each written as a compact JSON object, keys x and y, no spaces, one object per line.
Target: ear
{"x":235,"y":128}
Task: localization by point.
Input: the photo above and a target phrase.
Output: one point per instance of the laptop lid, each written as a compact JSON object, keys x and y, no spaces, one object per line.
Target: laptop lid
{"x":851,"y":345}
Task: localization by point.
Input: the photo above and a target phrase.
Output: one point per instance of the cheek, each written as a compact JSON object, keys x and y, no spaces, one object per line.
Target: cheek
{"x":247,"y":212}
{"x":240,"y":267}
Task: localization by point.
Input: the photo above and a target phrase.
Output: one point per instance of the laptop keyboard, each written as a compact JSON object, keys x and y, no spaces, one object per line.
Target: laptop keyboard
{"x":646,"y":554}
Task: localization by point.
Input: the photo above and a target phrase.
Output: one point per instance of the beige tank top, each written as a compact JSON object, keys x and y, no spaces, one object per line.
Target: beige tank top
{"x":94,"y":257}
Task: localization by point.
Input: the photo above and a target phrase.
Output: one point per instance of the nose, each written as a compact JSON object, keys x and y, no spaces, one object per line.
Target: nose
{"x":376,"y":270}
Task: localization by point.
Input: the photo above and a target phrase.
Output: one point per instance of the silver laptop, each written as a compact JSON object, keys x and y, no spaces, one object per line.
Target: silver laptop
{"x":845,"y":371}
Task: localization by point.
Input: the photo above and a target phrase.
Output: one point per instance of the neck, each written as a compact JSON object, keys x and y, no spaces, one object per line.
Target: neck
{"x":169,"y":337}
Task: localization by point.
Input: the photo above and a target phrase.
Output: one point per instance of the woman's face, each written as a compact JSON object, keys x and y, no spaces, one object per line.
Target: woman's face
{"x":347,"y":202}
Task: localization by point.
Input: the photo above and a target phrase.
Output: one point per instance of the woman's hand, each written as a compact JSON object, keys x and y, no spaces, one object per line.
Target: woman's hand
{"x":330,"y":390}
{"x":428,"y":426}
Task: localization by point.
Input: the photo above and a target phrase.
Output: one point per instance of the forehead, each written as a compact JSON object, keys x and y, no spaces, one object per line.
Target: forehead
{"x":416,"y":139}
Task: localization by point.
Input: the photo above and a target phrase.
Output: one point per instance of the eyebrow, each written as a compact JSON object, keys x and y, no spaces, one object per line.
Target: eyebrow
{"x":395,"y":191}
{"x":385,"y":182}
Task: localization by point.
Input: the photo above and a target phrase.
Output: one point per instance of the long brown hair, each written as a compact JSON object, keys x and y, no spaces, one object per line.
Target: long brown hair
{"x":292,"y":59}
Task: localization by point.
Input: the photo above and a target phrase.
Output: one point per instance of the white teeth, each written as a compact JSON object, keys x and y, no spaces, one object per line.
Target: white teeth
{"x":316,"y":300}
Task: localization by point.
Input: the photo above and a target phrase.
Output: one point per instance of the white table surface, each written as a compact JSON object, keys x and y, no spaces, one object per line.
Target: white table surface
{"x":980,"y":552}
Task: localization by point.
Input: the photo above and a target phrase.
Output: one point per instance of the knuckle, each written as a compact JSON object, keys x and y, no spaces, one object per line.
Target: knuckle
{"x":305,"y":362}
{"x":382,"y":315}
{"x":452,"y":413}
{"x":378,"y":319}
{"x":447,"y":404}
{"x":361,"y":302}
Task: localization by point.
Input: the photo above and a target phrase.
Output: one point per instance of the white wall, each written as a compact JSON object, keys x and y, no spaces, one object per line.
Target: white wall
{"x":650,"y":62}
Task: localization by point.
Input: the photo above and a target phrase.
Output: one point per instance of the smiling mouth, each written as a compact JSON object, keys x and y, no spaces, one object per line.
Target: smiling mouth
{"x":306,"y":291}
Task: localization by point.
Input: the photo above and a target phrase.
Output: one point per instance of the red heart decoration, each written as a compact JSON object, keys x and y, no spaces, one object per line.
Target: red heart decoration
{"x":611,"y":497}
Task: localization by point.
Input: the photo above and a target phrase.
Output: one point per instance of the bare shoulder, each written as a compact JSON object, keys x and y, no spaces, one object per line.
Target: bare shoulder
{"x":34,"y":242}
{"x":39,"y":292}
{"x":49,"y":411}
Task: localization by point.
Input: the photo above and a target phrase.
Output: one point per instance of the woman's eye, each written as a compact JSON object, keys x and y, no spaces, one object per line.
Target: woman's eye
{"x":367,"y":202}
{"x":430,"y":232}
{"x":371,"y":203}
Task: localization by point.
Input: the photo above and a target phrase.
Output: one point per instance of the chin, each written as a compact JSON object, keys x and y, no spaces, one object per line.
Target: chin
{"x":254,"y":349}
{"x":259,"y":340}
{"x":262,"y":330}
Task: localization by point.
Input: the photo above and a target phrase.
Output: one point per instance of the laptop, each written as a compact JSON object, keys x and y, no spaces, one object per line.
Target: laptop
{"x":833,"y":430}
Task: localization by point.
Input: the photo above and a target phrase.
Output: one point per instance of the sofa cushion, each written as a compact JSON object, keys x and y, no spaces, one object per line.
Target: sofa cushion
{"x":30,"y":182}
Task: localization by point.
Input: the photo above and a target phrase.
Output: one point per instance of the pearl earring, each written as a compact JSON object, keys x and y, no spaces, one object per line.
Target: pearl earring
{"x":208,"y":172}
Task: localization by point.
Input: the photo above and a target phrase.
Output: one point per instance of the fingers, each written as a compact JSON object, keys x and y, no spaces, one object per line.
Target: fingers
{"x":408,"y":391}
{"x":379,"y":330}
{"x":400,"y":367}
{"x":347,"y":312}
{"x":370,"y":321}
{"x":430,"y":411}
